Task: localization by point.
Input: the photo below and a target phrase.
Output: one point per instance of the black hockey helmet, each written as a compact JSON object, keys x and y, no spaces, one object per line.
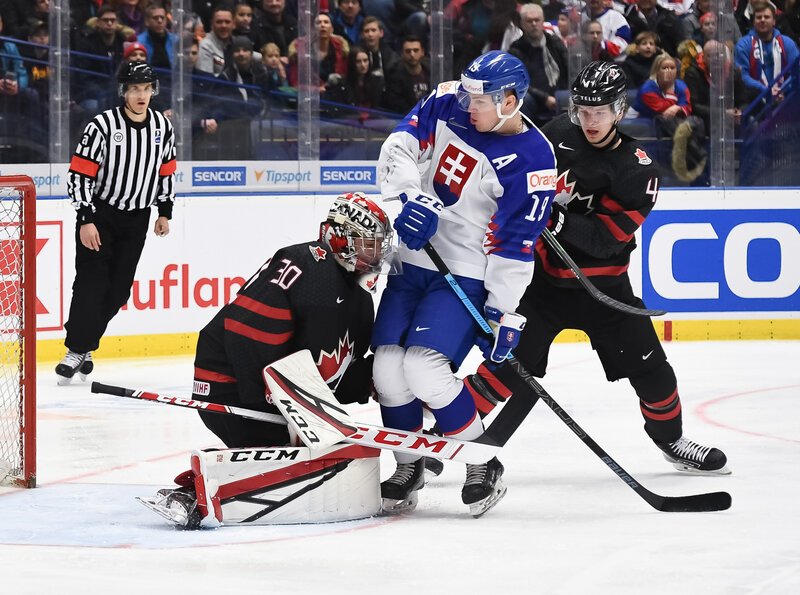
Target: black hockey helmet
{"x":134,"y":73}
{"x":599,"y":83}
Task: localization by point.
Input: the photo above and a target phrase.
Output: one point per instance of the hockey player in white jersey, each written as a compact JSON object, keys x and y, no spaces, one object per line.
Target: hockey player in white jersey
{"x":476,"y":179}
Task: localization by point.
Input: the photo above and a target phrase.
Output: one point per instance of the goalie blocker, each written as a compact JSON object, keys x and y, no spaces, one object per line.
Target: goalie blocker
{"x":273,"y":485}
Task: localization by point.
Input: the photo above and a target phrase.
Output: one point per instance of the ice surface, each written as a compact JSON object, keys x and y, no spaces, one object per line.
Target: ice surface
{"x":567,"y":525}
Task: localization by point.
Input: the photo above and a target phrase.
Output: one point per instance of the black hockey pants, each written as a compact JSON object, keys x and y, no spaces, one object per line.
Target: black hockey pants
{"x":103,"y":279}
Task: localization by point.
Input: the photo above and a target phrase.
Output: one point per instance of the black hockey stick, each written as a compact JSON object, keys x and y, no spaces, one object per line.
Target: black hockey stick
{"x":589,"y":286}
{"x":696,"y":503}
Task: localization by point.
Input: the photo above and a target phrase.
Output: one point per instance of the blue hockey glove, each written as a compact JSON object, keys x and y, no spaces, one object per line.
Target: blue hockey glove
{"x":507,"y":331}
{"x":418,"y":220}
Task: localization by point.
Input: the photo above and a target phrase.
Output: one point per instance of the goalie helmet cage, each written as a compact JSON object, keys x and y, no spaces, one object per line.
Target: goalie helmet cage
{"x":17,"y":331}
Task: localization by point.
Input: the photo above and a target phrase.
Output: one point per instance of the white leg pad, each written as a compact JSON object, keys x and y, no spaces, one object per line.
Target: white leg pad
{"x":286,"y":485}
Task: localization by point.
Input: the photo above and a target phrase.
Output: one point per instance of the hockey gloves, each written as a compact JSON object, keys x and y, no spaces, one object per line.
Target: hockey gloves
{"x":507,"y":331}
{"x":418,"y":220}
{"x":558,"y":219}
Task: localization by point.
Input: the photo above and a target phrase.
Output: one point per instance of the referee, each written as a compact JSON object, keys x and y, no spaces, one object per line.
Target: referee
{"x":124,"y":163}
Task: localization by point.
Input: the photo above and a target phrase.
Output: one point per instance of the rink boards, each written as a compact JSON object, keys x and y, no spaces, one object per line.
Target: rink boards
{"x":723,"y":263}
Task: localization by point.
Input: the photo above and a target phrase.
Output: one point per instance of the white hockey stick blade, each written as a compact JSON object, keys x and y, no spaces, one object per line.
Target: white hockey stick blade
{"x":298,"y":391}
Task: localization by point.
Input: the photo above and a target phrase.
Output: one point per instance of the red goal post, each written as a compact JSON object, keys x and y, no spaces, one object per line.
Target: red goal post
{"x":17,"y":331}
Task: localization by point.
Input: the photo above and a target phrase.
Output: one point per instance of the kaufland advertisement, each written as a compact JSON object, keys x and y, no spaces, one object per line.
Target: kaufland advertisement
{"x":703,"y":254}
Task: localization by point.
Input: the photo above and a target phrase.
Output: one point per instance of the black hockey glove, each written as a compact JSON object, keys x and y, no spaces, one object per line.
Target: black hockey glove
{"x":356,"y":384}
{"x":558,"y":219}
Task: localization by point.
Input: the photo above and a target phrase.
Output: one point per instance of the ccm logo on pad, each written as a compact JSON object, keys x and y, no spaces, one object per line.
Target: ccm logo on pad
{"x":542,"y":179}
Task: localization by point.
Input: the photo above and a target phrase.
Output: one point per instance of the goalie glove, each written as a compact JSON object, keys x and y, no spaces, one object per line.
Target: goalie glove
{"x":507,"y":330}
{"x":418,"y":220}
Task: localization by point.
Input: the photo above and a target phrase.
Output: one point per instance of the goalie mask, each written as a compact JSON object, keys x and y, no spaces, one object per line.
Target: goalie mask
{"x":358,"y":233}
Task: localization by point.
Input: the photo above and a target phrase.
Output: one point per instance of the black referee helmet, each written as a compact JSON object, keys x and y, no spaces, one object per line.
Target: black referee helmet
{"x":133,"y":73}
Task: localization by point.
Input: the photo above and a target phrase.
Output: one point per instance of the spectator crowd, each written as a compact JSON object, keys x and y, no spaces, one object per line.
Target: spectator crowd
{"x":373,"y":61}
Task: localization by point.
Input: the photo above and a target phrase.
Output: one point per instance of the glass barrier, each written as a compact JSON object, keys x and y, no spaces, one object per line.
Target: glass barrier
{"x":283,"y":80}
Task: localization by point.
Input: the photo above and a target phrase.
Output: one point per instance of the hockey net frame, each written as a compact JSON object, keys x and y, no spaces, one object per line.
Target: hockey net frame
{"x":17,"y":331}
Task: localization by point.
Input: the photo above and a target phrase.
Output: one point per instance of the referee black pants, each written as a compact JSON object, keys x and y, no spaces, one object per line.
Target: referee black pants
{"x":103,"y":278}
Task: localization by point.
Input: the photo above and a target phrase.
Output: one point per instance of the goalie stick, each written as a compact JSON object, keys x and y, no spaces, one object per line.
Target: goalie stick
{"x":589,"y":286}
{"x":522,"y":384}
{"x":364,"y":434}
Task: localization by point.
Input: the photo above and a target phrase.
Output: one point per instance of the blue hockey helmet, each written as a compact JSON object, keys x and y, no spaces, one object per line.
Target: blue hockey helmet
{"x":493,"y":73}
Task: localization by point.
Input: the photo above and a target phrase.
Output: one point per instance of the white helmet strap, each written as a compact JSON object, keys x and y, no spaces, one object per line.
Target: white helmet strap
{"x":503,"y":118}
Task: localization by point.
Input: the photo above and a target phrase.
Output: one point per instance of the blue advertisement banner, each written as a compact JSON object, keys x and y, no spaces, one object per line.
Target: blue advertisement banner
{"x":722,"y":260}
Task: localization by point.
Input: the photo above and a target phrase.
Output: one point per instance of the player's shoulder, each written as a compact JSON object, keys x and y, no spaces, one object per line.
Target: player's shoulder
{"x":306,"y":256}
{"x":635,"y":171}
{"x":523,"y":153}
{"x":561,"y":129}
{"x":160,"y":119}
{"x":634,"y":159}
{"x":105,"y":120}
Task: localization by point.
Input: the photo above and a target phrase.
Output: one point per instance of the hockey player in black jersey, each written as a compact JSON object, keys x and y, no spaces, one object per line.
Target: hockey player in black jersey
{"x":607,"y":185}
{"x":315,"y":296}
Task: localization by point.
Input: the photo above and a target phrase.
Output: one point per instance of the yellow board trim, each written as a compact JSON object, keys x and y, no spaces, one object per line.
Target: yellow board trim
{"x":128,"y":346}
{"x":681,"y":330}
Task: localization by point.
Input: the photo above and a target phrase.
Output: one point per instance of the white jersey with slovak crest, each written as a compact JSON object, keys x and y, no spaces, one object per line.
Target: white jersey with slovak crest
{"x":496,"y":190}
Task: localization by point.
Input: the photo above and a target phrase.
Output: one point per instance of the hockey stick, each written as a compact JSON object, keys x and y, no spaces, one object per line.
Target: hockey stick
{"x":696,"y":503}
{"x":589,"y":286}
{"x":439,"y":447}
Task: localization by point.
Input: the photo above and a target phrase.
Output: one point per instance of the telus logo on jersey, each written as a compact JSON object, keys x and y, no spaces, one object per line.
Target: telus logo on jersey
{"x":219,"y":176}
{"x":333,"y":175}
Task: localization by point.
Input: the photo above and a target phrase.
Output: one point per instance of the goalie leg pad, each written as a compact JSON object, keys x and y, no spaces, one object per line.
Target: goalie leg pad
{"x":271,"y":485}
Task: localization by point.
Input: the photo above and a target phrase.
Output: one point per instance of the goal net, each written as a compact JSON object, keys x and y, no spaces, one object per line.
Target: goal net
{"x":17,"y":331}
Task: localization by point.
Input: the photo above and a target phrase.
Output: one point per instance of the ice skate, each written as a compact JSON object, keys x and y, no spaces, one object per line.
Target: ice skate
{"x":484,"y":487}
{"x":399,"y":492}
{"x":691,"y":457}
{"x":86,"y":367}
{"x":179,"y":506}
{"x":67,"y":367}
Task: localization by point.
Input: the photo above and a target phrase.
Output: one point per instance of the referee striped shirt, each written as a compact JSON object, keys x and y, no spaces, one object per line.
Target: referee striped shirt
{"x":130,"y":165}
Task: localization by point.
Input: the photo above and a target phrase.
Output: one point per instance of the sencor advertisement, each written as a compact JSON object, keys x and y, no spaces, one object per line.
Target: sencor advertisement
{"x":733,"y":260}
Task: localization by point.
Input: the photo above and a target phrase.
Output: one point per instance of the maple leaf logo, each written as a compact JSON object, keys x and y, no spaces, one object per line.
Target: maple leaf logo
{"x":564,"y":189}
{"x":642,"y":157}
{"x":332,"y":364}
{"x":318,"y":253}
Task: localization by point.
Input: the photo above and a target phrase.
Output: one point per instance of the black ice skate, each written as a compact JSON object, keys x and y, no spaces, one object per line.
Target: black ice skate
{"x":67,"y":367}
{"x":691,"y":457}
{"x":86,"y":367}
{"x":484,"y":487}
{"x":179,"y":506}
{"x":399,"y":492}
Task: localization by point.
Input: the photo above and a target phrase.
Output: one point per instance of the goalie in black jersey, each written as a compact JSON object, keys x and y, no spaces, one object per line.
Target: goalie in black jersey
{"x":607,"y":184}
{"x":314,"y":296}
